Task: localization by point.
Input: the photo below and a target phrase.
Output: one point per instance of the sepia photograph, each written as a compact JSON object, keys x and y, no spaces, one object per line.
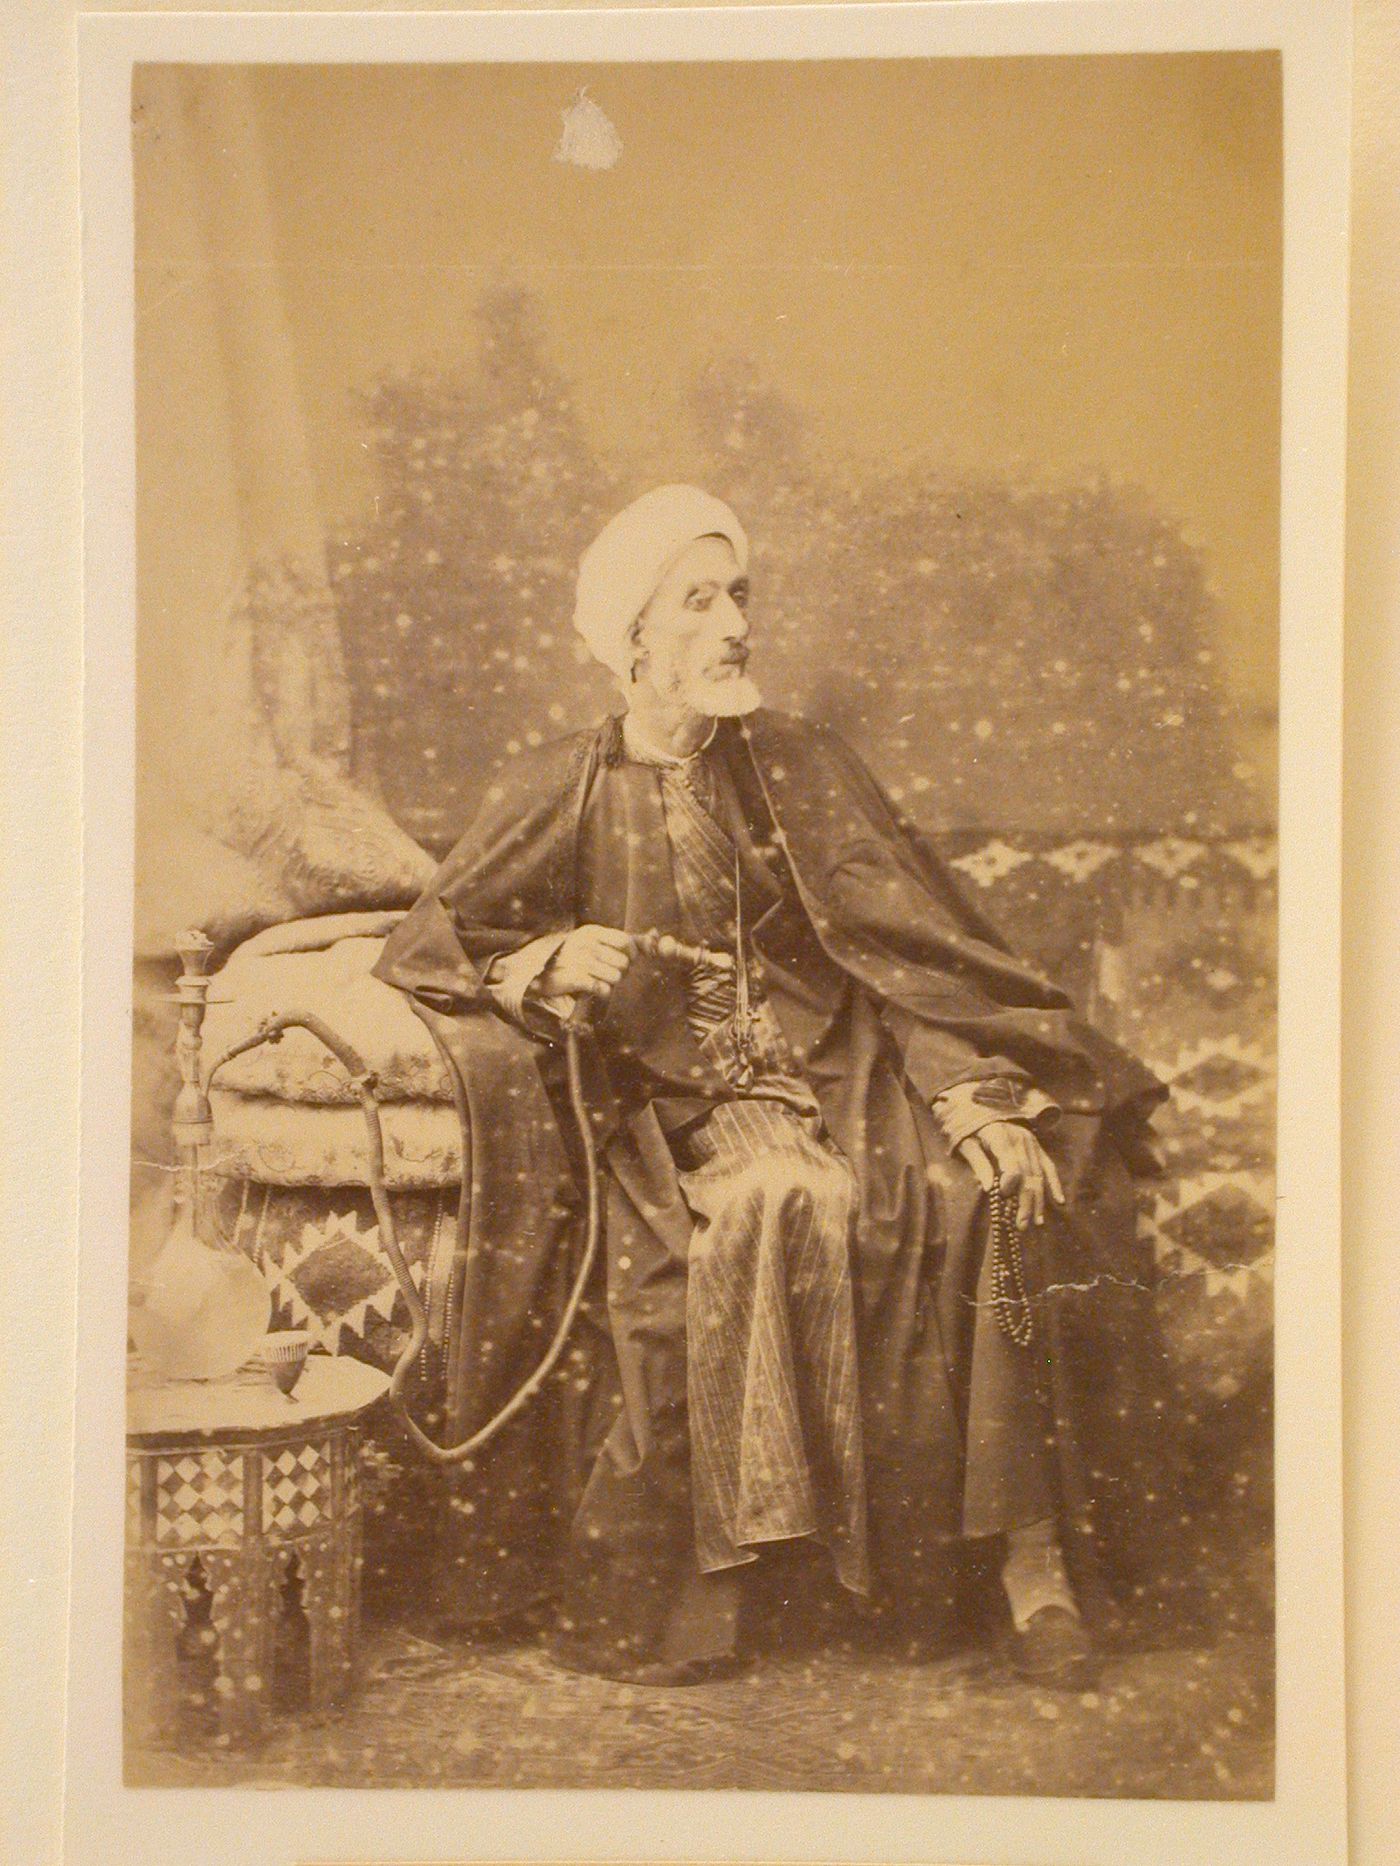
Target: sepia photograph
{"x":696,"y":1204}
{"x":705,"y":925}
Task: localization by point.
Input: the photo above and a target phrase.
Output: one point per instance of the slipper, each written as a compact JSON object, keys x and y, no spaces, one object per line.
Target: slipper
{"x":1054,"y":1651}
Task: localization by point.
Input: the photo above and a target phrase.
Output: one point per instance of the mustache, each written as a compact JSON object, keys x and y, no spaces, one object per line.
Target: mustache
{"x":734,"y":656}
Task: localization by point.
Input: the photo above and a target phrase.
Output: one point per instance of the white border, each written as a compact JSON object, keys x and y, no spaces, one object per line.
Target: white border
{"x":1304,"y":1825}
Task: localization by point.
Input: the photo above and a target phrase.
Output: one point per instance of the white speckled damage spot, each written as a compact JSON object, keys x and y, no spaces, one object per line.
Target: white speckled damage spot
{"x":588,"y":138}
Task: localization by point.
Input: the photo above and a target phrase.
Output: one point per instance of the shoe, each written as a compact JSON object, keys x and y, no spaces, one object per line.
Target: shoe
{"x":1053,"y":1651}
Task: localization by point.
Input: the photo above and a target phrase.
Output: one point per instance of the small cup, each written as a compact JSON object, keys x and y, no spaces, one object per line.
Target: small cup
{"x":283,"y":1354}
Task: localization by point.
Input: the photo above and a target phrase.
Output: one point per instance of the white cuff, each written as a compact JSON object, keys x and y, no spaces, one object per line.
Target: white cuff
{"x":510,"y":975}
{"x":966,"y":1107}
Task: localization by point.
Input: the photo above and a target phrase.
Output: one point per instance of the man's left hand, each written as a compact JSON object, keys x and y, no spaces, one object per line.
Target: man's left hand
{"x":1010,"y":1152}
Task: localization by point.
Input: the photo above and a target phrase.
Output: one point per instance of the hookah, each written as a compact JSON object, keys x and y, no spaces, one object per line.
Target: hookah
{"x":206,"y":1310}
{"x":202,"y":1311}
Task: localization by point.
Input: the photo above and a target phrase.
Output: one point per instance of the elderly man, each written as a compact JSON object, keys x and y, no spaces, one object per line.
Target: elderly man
{"x":872,"y":1274}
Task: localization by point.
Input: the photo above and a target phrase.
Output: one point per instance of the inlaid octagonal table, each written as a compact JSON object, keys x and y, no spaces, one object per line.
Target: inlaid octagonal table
{"x":238,"y":1485}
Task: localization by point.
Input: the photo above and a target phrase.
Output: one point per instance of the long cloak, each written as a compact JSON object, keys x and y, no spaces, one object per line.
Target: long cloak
{"x":890,"y":987}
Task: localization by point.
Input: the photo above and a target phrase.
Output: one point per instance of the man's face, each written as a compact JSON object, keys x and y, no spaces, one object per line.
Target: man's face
{"x":692,"y":637}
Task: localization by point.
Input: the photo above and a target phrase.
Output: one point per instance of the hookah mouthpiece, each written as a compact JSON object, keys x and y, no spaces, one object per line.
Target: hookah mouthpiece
{"x":669,"y":950}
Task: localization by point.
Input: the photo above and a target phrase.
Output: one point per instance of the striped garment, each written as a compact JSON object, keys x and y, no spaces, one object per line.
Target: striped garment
{"x":704,"y":871}
{"x":774,"y":1403}
{"x":770,"y":1338}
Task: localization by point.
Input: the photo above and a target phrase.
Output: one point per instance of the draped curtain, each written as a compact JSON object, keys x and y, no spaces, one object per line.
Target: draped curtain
{"x":253,"y":804}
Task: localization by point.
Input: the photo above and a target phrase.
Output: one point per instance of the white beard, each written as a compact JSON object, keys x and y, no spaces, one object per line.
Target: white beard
{"x":729,"y":698}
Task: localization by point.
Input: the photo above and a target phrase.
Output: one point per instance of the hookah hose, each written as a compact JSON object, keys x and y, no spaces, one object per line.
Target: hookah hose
{"x":662,"y":947}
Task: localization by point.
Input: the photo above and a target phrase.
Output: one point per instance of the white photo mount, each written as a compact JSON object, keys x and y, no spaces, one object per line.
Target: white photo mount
{"x":1305,"y":1822}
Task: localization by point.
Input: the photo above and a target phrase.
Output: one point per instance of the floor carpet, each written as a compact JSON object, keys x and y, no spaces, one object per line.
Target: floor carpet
{"x":1183,"y":1724}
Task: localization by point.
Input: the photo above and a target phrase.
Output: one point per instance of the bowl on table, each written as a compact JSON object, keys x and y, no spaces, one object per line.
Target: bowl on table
{"x":283,"y":1354}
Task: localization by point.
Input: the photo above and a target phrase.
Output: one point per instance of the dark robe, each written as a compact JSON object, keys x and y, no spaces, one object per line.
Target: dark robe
{"x":889,"y":987}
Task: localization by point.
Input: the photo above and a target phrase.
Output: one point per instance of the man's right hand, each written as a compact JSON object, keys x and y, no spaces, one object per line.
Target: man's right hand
{"x":589,"y":962}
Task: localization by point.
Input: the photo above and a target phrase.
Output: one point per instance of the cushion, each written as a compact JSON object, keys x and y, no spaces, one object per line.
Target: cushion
{"x":285,"y":1113}
{"x":292,"y":1143}
{"x":323,"y":966}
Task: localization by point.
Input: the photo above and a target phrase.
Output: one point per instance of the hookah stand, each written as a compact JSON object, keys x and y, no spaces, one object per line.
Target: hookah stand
{"x":235,"y":1490}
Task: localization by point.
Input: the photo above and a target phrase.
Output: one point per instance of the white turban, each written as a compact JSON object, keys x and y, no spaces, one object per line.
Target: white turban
{"x":619,"y":572}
